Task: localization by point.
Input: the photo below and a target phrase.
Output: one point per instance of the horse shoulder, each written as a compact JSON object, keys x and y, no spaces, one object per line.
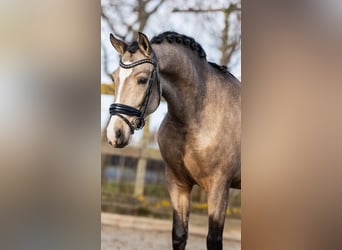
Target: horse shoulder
{"x":170,"y":139}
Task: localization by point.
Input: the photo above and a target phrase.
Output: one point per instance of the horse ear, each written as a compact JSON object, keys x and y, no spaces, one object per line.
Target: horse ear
{"x":144,"y":44}
{"x":119,"y":45}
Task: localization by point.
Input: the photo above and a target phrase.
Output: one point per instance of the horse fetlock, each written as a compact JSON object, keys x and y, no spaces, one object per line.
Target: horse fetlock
{"x":214,"y":244}
{"x":179,"y":240}
{"x":179,"y":236}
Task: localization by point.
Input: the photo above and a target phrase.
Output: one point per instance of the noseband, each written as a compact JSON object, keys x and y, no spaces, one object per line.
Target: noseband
{"x":119,"y":109}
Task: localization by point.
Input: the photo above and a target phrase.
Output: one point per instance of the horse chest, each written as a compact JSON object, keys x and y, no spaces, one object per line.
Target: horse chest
{"x":195,"y":152}
{"x":186,"y":159}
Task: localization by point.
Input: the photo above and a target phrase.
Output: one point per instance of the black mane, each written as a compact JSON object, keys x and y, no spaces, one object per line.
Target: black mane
{"x":132,"y":47}
{"x":187,"y":41}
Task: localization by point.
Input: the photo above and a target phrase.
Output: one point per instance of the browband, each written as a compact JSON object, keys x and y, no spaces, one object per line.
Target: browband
{"x":133,"y":64}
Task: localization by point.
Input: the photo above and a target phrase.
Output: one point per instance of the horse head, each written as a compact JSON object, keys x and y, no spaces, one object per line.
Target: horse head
{"x":137,"y":89}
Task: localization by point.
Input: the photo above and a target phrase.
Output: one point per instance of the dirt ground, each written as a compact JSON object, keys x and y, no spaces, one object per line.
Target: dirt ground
{"x":122,"y":232}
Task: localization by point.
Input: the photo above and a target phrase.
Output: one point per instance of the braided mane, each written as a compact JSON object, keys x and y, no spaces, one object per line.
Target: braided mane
{"x":187,"y":41}
{"x":171,"y":37}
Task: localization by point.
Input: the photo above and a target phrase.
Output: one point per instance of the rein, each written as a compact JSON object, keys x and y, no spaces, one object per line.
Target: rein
{"x":119,"y":109}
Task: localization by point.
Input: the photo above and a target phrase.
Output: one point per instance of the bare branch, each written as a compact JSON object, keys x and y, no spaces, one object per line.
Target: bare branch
{"x":156,"y":7}
{"x":227,"y":54}
{"x":109,"y":23}
{"x":116,"y":4}
{"x":141,"y":21}
{"x":230,"y":9}
{"x":227,"y":48}
{"x":107,"y":19}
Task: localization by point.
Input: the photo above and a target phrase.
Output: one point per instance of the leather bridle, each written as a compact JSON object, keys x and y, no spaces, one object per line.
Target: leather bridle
{"x":119,"y":109}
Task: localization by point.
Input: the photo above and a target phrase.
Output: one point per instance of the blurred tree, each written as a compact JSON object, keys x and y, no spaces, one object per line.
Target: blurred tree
{"x":114,"y":15}
{"x":127,"y":26}
{"x":229,"y":43}
{"x":125,"y":18}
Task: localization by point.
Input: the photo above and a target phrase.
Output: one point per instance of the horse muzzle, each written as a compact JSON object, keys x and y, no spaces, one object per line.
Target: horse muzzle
{"x":118,"y":133}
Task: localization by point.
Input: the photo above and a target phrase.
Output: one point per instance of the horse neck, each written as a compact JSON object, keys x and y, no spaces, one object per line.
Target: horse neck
{"x":183,"y":75}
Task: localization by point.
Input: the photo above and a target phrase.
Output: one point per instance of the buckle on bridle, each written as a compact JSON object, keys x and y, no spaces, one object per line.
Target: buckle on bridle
{"x":138,"y":123}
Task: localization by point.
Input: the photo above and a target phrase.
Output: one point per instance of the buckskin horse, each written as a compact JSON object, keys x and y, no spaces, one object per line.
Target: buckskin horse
{"x":199,"y":138}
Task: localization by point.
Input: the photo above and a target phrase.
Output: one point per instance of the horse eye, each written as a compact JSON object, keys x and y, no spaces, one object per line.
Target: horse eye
{"x":142,"y":80}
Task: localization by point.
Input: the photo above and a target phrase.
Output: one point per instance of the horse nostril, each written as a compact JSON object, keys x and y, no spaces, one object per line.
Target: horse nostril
{"x":110,"y":142}
{"x":118,"y":133}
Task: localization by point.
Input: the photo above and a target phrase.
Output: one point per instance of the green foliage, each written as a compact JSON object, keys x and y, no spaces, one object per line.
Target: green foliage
{"x":118,"y":198}
{"x":143,"y":211}
{"x":156,"y":190}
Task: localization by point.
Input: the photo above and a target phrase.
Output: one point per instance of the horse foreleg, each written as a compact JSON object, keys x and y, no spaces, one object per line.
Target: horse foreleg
{"x":217,"y":205}
{"x":180,"y":198}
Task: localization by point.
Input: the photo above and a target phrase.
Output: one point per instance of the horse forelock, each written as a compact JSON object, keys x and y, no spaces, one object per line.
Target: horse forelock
{"x":133,"y":47}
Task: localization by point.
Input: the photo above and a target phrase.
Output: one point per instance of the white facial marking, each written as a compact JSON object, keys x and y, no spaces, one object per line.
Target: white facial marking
{"x":123,"y":74}
{"x":110,"y":129}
